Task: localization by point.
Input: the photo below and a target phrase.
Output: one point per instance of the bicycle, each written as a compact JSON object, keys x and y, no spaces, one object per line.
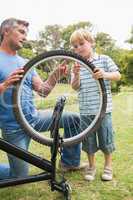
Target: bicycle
{"x":55,"y":140}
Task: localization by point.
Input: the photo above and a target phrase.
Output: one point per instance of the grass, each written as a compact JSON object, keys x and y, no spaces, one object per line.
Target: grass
{"x":59,"y":90}
{"x":122,"y":185}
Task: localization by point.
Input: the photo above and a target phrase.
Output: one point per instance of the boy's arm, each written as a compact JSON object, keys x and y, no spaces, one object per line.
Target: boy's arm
{"x":75,"y":81}
{"x":75,"y":76}
{"x":111,"y":71}
{"x":112,"y":76}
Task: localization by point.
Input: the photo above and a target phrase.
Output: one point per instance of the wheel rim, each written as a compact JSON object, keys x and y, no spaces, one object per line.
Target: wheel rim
{"x":19,"y":87}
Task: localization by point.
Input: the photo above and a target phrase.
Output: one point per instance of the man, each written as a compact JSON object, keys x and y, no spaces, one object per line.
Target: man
{"x":13,"y":34}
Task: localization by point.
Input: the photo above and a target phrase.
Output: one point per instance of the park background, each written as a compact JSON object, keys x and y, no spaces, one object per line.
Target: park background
{"x":51,"y":24}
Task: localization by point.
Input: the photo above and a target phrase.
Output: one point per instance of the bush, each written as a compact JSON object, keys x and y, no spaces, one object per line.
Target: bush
{"x":115,"y":86}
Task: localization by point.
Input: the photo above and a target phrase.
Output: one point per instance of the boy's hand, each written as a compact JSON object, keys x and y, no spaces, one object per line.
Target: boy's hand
{"x":76,"y":68}
{"x":98,"y":73}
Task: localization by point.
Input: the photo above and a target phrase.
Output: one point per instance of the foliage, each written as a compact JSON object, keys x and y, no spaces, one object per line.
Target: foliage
{"x":130,"y":40}
{"x":27,"y":50}
{"x":104,"y":43}
{"x":26,"y":53}
{"x":50,"y":37}
{"x":57,"y":37}
{"x":129,"y":68}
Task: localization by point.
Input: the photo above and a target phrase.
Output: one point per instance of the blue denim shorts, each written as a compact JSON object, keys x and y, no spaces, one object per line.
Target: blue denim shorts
{"x":103,"y":139}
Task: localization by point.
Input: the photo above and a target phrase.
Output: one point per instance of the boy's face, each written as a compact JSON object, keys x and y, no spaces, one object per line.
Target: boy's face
{"x":83,"y":48}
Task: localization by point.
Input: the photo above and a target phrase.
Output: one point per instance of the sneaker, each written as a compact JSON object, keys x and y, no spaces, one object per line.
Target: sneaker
{"x":90,"y":174}
{"x":107,"y":174}
{"x":65,"y":168}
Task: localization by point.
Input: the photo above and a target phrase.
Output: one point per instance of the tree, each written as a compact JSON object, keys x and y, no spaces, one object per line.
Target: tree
{"x":104,"y":43}
{"x":129,"y":68}
{"x":130,"y":40}
{"x":57,"y":37}
{"x":27,"y":50}
{"x":49,"y":38}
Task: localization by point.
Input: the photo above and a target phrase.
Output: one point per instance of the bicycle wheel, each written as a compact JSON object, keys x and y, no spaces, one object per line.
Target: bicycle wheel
{"x":44,"y":64}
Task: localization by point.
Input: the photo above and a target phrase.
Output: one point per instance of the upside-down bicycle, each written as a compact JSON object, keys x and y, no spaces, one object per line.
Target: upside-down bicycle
{"x":44,"y":64}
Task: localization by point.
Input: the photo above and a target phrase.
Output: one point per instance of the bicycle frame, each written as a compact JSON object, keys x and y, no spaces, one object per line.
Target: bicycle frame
{"x":48,"y":166}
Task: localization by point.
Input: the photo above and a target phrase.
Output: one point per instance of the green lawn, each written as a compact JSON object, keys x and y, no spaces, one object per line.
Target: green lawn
{"x":122,"y":185}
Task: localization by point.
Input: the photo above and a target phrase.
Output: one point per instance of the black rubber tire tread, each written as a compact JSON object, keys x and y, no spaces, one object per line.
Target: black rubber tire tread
{"x":37,"y":137}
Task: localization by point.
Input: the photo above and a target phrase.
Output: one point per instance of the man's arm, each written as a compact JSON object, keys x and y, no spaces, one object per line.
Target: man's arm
{"x":44,"y":88}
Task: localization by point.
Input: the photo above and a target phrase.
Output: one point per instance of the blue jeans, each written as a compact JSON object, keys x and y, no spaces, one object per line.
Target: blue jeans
{"x":70,"y":155}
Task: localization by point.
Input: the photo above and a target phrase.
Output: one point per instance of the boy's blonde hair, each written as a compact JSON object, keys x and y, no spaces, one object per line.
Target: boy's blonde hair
{"x":81,"y":34}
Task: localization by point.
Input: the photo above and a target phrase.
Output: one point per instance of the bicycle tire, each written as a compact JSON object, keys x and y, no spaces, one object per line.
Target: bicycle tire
{"x":16,"y":99}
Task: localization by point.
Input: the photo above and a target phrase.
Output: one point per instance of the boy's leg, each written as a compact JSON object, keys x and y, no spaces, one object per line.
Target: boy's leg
{"x":91,"y":159}
{"x":108,"y":160}
{"x":106,"y":144}
{"x":107,"y":172}
{"x":89,"y":145}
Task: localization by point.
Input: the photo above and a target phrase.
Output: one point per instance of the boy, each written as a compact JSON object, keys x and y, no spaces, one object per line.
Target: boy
{"x":83,"y":44}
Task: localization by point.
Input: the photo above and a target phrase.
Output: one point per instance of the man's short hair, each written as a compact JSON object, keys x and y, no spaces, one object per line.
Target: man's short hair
{"x":10,"y":23}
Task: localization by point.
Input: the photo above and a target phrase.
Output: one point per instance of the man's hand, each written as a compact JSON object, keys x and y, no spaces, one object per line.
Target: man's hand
{"x":63,"y":69}
{"x":11,"y":79}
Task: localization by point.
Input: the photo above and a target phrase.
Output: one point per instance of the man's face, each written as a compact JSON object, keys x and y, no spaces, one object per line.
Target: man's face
{"x":16,"y":36}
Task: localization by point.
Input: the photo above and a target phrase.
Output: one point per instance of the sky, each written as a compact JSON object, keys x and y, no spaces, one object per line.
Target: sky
{"x":114,"y":17}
